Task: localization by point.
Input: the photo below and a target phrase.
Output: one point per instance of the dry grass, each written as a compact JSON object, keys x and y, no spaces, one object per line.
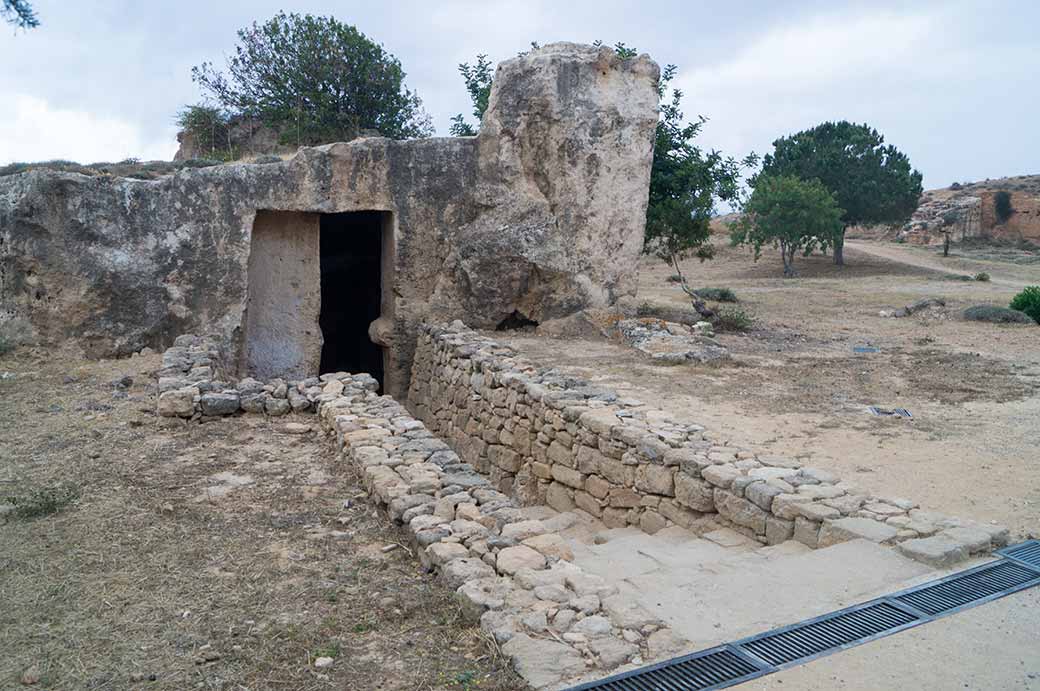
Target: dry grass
{"x":149,"y":576}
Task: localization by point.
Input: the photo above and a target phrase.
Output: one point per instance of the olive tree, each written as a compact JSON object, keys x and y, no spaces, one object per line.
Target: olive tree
{"x":685,"y":184}
{"x":315,"y":80}
{"x":790,"y":214}
{"x":478,"y":78}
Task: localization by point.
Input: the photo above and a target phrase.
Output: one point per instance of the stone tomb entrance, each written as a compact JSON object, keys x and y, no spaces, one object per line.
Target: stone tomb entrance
{"x":317,"y":282}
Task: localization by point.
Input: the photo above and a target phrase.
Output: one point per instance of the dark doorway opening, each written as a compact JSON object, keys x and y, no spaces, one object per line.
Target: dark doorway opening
{"x":351,"y":291}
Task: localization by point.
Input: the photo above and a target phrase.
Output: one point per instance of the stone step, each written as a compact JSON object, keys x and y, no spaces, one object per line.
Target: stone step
{"x":709,"y":594}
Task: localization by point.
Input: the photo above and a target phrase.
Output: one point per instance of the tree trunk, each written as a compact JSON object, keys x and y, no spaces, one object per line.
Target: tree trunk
{"x":946,"y":244}
{"x":839,"y":248}
{"x":788,"y":254}
{"x":698,"y":304}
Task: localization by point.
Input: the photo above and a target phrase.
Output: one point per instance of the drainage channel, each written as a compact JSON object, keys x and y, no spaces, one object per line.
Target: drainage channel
{"x":1017,"y":568}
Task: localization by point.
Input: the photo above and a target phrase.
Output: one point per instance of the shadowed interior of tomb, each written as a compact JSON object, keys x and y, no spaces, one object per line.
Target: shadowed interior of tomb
{"x":351,"y":291}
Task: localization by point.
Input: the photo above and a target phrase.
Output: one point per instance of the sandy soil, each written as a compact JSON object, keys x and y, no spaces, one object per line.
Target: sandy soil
{"x":796,"y":387}
{"x":212,"y":556}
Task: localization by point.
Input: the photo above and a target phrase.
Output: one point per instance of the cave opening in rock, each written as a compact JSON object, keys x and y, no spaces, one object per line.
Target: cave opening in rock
{"x":351,"y":290}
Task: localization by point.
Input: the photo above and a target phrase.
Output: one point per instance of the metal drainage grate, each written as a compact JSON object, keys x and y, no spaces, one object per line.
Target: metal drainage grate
{"x":1027,"y":553}
{"x":737,"y":662}
{"x":894,"y":412}
{"x":969,"y":587}
{"x":716,"y":668}
{"x":826,"y":633}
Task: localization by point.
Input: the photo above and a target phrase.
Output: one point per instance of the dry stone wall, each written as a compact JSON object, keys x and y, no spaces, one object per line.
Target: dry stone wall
{"x":192,"y":384}
{"x":512,"y":574}
{"x":546,"y":438}
{"x":522,"y":436}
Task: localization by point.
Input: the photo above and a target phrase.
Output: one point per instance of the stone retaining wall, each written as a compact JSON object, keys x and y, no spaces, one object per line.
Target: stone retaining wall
{"x":525,"y":435}
{"x":191,"y":384}
{"x":543,"y":437}
{"x":511,"y":573}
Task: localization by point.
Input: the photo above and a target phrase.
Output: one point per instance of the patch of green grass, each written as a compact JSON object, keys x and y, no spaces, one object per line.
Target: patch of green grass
{"x":717,"y":294}
{"x":996,"y":315}
{"x":330,"y":650}
{"x":42,"y":501}
{"x":733,"y":319}
{"x":467,"y":681}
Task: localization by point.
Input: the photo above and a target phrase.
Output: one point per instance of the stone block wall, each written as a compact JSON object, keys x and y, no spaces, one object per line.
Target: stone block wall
{"x":192,"y":384}
{"x":543,"y":437}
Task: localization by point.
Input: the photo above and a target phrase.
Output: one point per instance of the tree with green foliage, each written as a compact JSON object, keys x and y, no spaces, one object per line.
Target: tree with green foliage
{"x":1002,"y":206}
{"x":210,"y":128}
{"x":20,"y":13}
{"x":1028,"y":301}
{"x":478,"y":77}
{"x":872,"y":182}
{"x":685,"y":183}
{"x":315,"y":80}
{"x":788,"y":213}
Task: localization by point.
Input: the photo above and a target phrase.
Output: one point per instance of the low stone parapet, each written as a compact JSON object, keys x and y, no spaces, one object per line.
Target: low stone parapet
{"x":544,"y":437}
{"x":192,"y":384}
{"x":512,"y":574}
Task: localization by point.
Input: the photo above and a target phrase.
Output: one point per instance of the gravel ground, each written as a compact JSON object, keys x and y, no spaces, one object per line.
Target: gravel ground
{"x":224,"y":555}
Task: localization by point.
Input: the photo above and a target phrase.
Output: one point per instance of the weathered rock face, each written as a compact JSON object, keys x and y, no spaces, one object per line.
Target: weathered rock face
{"x":540,"y":215}
{"x":969,"y":211}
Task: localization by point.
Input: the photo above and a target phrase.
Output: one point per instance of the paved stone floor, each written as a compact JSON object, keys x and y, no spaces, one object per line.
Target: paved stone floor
{"x":710,"y":593}
{"x":722,"y":586}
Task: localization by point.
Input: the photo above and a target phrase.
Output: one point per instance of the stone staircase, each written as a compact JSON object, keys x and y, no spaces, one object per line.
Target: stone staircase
{"x":723,"y":586}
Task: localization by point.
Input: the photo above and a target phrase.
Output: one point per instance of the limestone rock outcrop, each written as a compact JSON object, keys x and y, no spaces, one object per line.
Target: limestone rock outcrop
{"x":539,"y":216}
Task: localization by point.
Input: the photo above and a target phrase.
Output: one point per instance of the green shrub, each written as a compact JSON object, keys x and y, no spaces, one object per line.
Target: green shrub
{"x":674,"y":278}
{"x":267,"y":158}
{"x":42,"y":501}
{"x":6,"y":345}
{"x":956,"y":186}
{"x":996,"y":315}
{"x":982,"y":276}
{"x":1002,"y":205}
{"x":1028,"y":301}
{"x":733,"y":319}
{"x":717,"y":294}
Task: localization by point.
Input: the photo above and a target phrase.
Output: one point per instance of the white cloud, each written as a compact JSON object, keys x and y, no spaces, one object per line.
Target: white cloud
{"x":920,"y":76}
{"x":35,"y":131}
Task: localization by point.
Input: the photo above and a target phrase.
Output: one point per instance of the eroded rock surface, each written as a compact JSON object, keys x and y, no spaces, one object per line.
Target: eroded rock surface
{"x":540,"y":215}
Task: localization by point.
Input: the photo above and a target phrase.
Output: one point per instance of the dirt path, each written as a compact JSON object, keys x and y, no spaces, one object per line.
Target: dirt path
{"x":225,"y":555}
{"x":1001,"y":273}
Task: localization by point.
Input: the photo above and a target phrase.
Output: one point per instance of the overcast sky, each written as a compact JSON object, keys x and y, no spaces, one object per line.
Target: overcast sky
{"x":956,"y":85}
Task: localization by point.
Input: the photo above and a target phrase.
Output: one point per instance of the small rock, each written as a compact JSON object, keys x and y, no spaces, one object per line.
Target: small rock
{"x":295,"y":428}
{"x":31,"y":676}
{"x":323,"y":662}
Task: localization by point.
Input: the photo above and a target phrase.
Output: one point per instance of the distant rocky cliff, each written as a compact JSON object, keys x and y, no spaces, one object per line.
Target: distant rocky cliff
{"x":969,"y":211}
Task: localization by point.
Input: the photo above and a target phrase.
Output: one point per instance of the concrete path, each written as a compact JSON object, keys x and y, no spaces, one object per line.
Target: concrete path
{"x":711,"y":593}
{"x":995,"y":646}
{"x":723,"y":586}
{"x":1002,"y":273}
